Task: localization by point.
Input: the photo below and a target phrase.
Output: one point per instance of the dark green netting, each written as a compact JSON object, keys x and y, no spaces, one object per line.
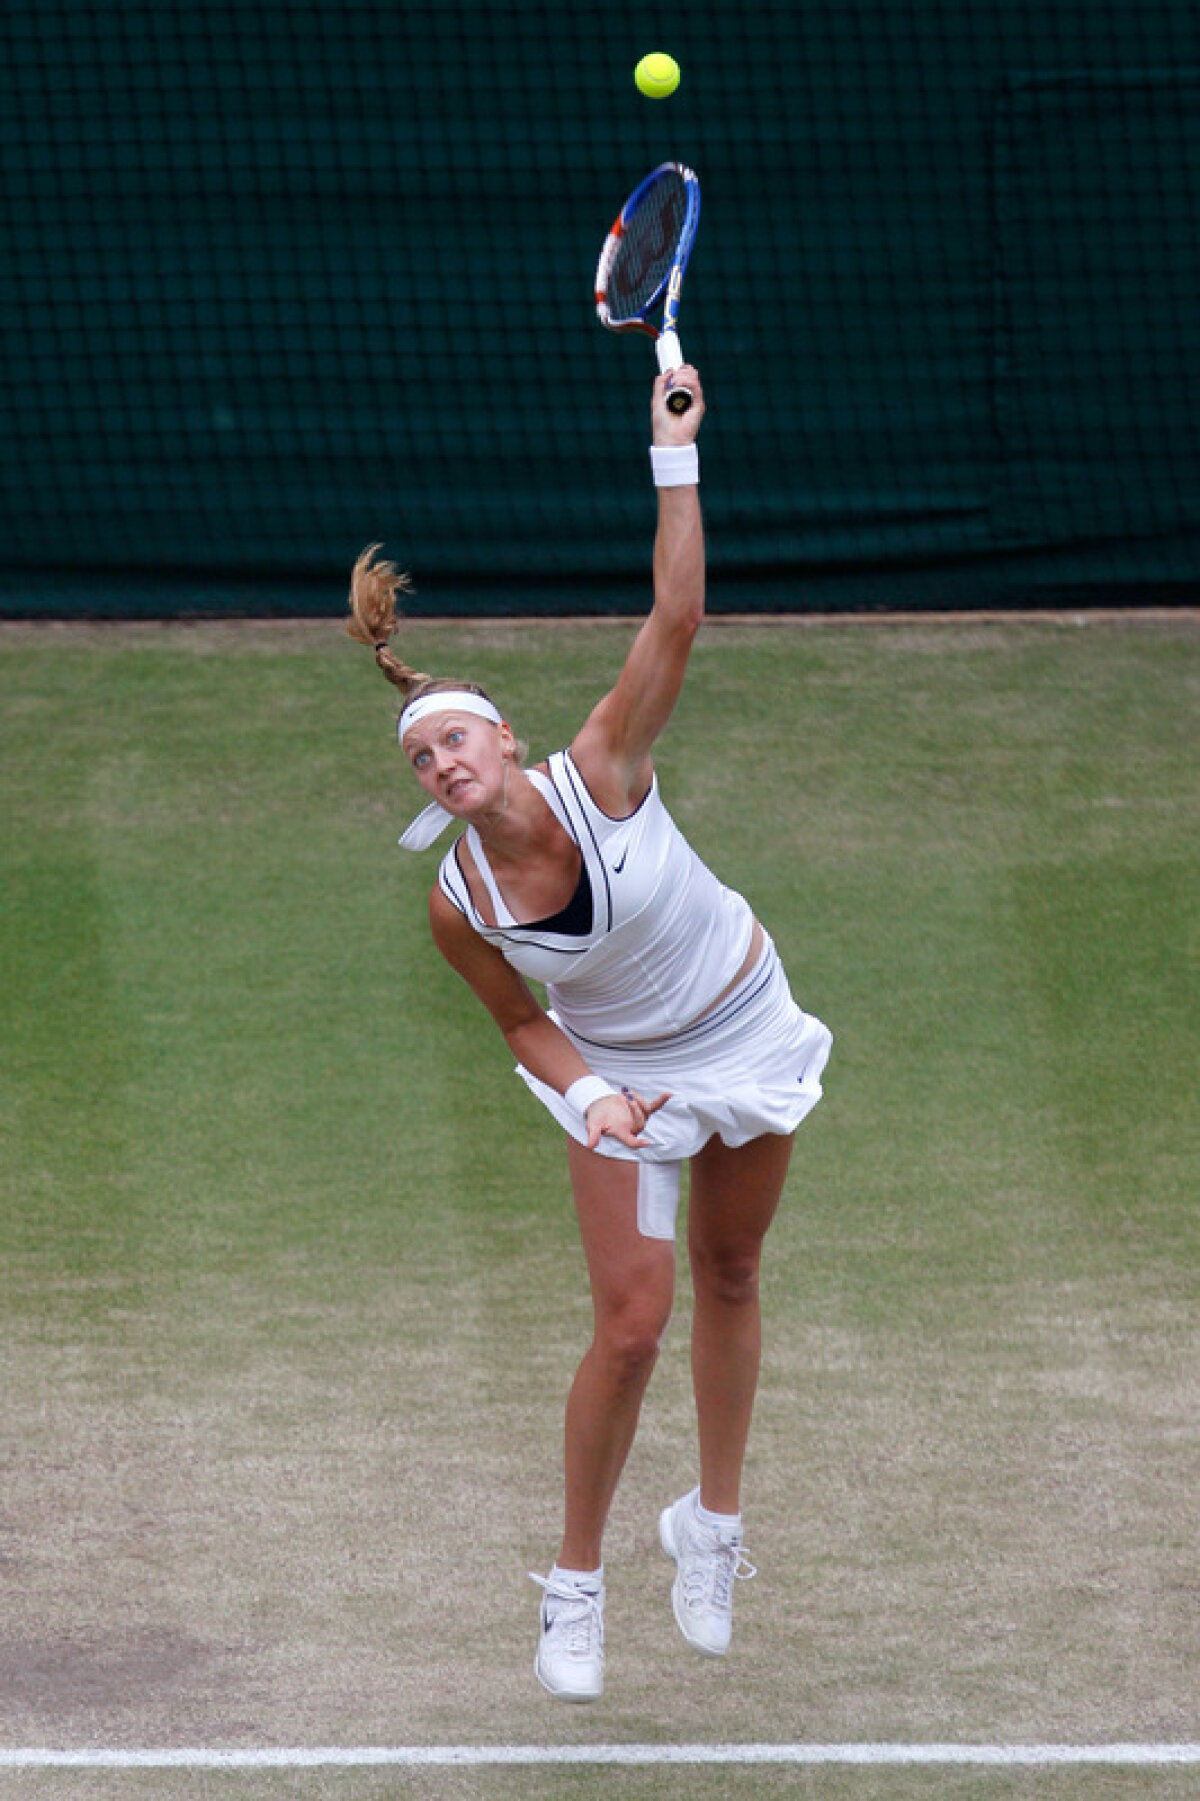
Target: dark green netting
{"x":277,"y":280}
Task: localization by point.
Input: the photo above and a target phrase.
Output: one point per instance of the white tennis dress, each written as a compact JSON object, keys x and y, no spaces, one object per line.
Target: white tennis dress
{"x":631,"y":965}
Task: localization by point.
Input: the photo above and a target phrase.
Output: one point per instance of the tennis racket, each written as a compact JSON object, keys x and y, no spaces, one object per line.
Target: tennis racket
{"x":644,"y":259}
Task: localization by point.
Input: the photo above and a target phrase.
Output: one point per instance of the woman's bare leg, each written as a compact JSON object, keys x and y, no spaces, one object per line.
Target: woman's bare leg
{"x":633,"y":1282}
{"x":733,"y":1198}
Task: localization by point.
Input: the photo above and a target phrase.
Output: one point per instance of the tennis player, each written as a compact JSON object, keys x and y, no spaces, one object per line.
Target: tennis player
{"x":670,"y":1037}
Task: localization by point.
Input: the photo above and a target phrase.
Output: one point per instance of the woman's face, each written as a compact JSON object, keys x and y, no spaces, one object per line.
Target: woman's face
{"x":459,"y":759}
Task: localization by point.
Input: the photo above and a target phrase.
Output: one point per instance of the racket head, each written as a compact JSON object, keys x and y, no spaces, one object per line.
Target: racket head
{"x":645,"y":254}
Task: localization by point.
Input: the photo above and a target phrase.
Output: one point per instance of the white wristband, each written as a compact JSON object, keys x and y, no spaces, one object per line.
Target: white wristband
{"x":585,"y":1091}
{"x":675,"y":465}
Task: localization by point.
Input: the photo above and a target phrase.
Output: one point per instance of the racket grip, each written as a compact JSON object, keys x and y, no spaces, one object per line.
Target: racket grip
{"x":670,"y":357}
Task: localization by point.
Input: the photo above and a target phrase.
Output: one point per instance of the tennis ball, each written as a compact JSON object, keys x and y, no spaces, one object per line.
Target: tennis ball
{"x":657,"y":75}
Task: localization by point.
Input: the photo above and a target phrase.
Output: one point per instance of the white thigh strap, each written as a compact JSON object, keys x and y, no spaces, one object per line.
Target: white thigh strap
{"x":658,"y":1198}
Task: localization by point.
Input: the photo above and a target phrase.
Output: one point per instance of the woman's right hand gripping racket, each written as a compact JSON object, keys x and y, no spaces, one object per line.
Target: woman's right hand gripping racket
{"x":644,"y":259}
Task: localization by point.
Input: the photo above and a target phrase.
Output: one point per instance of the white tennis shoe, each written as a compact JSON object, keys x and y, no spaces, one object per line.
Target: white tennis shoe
{"x":570,"y":1658}
{"x":708,"y":1563}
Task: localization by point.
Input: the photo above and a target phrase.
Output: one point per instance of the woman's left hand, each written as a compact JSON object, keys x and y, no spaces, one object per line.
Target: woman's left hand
{"x":623,"y":1117}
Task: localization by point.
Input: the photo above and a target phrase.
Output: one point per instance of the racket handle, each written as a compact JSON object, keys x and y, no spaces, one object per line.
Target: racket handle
{"x":670,"y":356}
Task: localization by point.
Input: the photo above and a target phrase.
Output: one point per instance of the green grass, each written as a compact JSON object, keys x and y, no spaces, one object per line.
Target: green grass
{"x":289,"y":1287}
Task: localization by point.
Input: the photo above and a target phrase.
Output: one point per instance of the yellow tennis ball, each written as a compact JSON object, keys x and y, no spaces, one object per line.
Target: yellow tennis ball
{"x":657,"y":75}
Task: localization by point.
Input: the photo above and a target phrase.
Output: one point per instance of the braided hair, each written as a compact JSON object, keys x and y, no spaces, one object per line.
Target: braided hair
{"x":373,"y":620}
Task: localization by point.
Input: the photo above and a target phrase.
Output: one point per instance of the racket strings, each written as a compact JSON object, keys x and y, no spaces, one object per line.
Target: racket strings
{"x":647,"y":246}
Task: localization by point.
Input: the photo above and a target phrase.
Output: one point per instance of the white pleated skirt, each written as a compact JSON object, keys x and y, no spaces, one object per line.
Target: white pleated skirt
{"x":750,"y":1067}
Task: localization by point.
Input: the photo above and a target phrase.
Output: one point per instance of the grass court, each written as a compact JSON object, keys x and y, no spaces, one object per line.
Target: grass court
{"x":290,"y":1293}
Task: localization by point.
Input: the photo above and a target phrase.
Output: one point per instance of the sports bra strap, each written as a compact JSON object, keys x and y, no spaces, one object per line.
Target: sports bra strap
{"x":475,"y":843}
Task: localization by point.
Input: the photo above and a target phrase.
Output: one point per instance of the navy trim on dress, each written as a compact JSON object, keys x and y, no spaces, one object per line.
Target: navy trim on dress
{"x":744,"y":996}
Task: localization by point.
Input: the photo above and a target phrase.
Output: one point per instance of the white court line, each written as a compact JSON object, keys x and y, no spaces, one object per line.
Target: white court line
{"x":426,"y":1756}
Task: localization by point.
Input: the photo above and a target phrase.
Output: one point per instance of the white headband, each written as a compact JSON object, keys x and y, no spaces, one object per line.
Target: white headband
{"x":432,"y":821}
{"x":446,"y":700}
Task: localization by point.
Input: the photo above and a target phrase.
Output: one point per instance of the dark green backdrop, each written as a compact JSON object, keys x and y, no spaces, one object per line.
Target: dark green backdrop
{"x":281,"y":279}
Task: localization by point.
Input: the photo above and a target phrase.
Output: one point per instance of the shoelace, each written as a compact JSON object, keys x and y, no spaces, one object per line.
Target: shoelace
{"x":711,"y":1571}
{"x":582,"y":1624}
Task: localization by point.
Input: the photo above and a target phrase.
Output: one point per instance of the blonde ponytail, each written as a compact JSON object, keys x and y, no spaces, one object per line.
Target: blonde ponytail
{"x":374,"y":585}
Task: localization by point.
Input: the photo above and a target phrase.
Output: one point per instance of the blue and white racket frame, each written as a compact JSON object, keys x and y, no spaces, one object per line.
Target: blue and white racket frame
{"x":668,"y":290}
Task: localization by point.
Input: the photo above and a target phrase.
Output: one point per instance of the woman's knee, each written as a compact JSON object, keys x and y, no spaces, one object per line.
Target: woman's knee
{"x":629,"y":1338}
{"x":728,"y":1277}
